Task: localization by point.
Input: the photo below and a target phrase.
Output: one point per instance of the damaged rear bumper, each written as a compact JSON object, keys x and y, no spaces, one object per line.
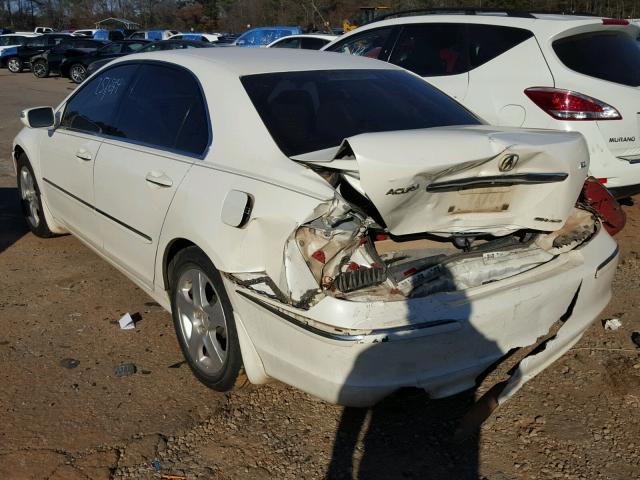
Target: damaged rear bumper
{"x":441,"y":343}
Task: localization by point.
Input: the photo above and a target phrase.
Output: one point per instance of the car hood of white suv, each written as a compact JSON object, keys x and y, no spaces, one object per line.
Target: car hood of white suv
{"x":463,"y":180}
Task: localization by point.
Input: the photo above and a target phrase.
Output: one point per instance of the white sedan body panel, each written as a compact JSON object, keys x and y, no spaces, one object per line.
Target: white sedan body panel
{"x":347,"y":347}
{"x":147,"y":179}
{"x":69,"y":169}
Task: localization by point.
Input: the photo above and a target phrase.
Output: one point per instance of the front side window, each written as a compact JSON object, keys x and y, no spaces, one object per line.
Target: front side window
{"x":315,"y":110}
{"x":367,"y":44}
{"x":432,"y":49}
{"x":92,"y":109}
{"x":153,"y":47}
{"x":611,"y":56}
{"x":36,"y":42}
{"x":133,"y":47}
{"x":164,"y":109}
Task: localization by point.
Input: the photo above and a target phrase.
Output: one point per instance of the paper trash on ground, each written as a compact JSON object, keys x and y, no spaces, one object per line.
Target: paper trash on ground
{"x":126,"y":322}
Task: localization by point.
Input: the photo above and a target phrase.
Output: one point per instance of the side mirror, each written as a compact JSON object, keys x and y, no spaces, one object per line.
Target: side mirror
{"x":38,"y":117}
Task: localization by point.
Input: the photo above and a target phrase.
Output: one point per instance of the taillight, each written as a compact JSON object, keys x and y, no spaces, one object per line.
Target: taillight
{"x":600,"y":199}
{"x":615,"y":21}
{"x":567,"y":105}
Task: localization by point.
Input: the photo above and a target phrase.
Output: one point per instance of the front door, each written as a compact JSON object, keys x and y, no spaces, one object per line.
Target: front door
{"x":72,"y":148}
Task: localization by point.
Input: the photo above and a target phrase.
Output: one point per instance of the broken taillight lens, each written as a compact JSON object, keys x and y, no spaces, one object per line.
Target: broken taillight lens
{"x":567,"y":105}
{"x":600,"y":199}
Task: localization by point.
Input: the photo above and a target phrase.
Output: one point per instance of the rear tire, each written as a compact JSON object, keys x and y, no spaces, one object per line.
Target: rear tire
{"x":203,"y":320}
{"x":40,"y":68}
{"x":14,"y":64}
{"x":77,"y":73}
{"x":30,"y":200}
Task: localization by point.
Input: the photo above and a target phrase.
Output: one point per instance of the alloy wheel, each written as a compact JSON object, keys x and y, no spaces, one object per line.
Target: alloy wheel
{"x":78,"y":73}
{"x":39,"y":69}
{"x":29,"y":196}
{"x":202,"y":321}
{"x":14,"y":65}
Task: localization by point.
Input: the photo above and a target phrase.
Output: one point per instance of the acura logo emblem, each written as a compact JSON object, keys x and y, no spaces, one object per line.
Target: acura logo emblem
{"x":508,"y":163}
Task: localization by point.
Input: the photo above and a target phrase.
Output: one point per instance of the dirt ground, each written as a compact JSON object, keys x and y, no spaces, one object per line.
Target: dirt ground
{"x":577,"y":420}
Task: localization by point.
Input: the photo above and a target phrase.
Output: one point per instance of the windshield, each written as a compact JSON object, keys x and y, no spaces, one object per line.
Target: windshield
{"x":262,"y":36}
{"x":309,"y":111}
{"x":612,"y":56}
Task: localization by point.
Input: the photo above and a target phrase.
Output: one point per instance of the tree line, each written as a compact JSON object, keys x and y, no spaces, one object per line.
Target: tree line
{"x":237,"y":15}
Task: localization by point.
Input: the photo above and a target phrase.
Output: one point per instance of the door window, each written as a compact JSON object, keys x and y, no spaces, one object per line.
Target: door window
{"x":164,"y":109}
{"x":133,"y":47}
{"x":313,"y":43}
{"x":432,"y":49}
{"x":92,"y":108}
{"x":367,"y":44}
{"x":486,"y":42}
{"x":288,"y":43}
{"x":111,"y":49}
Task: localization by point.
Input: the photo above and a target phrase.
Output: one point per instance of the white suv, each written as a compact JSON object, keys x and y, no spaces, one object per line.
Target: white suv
{"x":529,"y":70}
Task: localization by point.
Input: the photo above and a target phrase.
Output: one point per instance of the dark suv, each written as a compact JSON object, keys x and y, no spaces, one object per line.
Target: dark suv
{"x":48,"y":62}
{"x":20,"y":58}
{"x":75,"y":66}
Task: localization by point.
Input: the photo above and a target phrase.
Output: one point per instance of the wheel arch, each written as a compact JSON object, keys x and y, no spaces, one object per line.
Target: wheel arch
{"x":252,"y":363}
{"x":20,"y":147}
{"x":172,"y":249}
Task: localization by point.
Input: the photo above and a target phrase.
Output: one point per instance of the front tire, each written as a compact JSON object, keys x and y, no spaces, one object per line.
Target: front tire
{"x":203,"y":320}
{"x":14,"y":64}
{"x":40,"y":68}
{"x":30,"y":200}
{"x":77,"y":73}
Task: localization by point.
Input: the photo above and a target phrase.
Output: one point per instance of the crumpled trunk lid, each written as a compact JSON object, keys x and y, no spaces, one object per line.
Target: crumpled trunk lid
{"x":466,"y":180}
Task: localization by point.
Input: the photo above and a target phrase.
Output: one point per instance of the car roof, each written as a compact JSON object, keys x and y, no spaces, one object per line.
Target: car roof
{"x":248,"y":61}
{"x":548,"y":24}
{"x":324,"y":36}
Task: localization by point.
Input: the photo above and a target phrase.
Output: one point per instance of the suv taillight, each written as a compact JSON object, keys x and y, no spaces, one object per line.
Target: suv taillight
{"x":598,"y":197}
{"x":568,"y":105}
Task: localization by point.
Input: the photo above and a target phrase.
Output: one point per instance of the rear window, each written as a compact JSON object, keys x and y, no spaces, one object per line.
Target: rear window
{"x":309,"y":111}
{"x":611,"y":56}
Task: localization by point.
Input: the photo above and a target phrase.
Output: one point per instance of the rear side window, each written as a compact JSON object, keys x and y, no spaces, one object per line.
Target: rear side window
{"x":611,"y":56}
{"x":309,"y":111}
{"x":111,"y":49}
{"x":486,"y":42}
{"x":288,"y":43}
{"x":165,"y":109}
{"x":366,"y":44}
{"x":92,"y":109}
{"x":313,"y":43}
{"x":432,"y":49}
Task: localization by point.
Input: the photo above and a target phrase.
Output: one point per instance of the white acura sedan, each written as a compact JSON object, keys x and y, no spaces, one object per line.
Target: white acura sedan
{"x":332,"y":222}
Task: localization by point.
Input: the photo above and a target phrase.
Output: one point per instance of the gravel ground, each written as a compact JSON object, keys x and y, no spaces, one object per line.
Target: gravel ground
{"x":577,"y":420}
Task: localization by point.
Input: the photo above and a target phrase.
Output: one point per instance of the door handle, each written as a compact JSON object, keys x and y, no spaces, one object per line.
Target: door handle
{"x":159,"y":179}
{"x":82,"y":154}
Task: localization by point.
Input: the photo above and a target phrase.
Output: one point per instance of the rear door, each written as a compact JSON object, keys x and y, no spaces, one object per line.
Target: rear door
{"x":504,"y":61}
{"x":70,"y":150}
{"x":162,"y":127}
{"x":438,"y":53}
